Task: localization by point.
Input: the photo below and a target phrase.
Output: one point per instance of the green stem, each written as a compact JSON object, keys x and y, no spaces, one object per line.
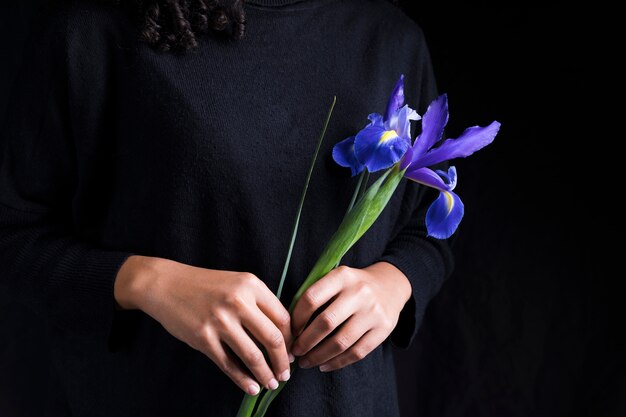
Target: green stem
{"x":247,"y":405}
{"x":357,"y":192}
{"x":364,"y":187}
{"x":294,"y":232}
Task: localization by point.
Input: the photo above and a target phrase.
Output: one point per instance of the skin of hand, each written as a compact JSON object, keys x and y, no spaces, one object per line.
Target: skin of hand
{"x":364,"y":306}
{"x":220,"y":313}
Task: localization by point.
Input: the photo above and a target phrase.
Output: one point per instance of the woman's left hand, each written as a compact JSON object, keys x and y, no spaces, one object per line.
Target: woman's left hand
{"x":364,"y":308}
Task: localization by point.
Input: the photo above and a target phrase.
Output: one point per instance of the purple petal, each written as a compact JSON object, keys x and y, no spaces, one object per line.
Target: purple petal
{"x":473,"y":139}
{"x":377,"y":148}
{"x":427,"y":177}
{"x":344,"y":155}
{"x":444,"y":215}
{"x":433,"y":123}
{"x":407,"y":158}
{"x":449,"y":177}
{"x":396,"y":100}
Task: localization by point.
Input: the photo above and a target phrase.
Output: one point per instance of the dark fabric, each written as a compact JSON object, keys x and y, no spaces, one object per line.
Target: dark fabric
{"x":115,"y":149}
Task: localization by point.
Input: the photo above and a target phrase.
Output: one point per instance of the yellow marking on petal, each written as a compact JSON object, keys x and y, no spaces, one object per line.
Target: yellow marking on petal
{"x":449,"y":201}
{"x":387,"y":136}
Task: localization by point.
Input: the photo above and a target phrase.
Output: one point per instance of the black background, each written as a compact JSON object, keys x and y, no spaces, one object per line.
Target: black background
{"x":530,"y":322}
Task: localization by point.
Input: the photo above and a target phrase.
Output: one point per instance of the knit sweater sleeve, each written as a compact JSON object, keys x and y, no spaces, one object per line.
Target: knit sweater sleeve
{"x":425,"y":261}
{"x":67,"y":280}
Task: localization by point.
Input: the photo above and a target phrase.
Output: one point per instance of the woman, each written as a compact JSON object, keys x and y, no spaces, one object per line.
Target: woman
{"x":149,"y":184}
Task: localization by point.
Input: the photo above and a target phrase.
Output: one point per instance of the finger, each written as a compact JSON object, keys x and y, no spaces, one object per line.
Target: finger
{"x":325,"y":323}
{"x":363,"y":347}
{"x":316,"y":296}
{"x":276,"y":312}
{"x":250,"y":354}
{"x":266,"y":333}
{"x":347,"y":335}
{"x":231,"y":368}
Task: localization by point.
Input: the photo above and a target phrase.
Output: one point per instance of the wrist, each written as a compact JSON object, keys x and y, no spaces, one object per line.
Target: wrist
{"x":133,"y":281}
{"x":391,"y":274}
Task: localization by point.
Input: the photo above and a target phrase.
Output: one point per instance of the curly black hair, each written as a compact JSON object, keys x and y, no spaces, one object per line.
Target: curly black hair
{"x":173,"y":25}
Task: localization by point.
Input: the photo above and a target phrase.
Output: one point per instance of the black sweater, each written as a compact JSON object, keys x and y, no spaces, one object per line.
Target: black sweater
{"x":111,"y":149}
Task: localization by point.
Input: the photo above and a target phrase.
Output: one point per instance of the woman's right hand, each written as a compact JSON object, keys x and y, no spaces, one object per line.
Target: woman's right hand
{"x":211,"y":310}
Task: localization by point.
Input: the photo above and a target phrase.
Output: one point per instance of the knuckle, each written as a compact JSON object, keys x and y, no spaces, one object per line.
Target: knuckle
{"x":345,"y":273}
{"x":342,"y":343}
{"x":310,"y":298}
{"x":220,"y":319}
{"x":204,"y":343}
{"x":284,"y":321}
{"x":389,"y":323}
{"x":328,"y":320}
{"x":240,"y":381}
{"x":364,"y":290}
{"x":254,"y":358}
{"x":248,"y":278}
{"x":275,"y":340}
{"x":235,"y":301}
{"x":379,"y":312}
{"x":227,"y":367}
{"x":359,"y":353}
{"x":343,"y":269}
{"x":386,"y":323}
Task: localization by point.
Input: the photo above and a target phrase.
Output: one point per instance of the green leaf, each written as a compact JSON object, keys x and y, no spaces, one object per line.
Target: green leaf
{"x":294,"y":232}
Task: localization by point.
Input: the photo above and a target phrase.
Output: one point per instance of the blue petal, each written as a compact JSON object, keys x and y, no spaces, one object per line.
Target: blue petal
{"x":473,"y":139}
{"x":376,"y":119}
{"x":433,"y":123}
{"x":344,"y":155}
{"x":444,"y":215}
{"x":396,"y":100}
{"x":378,"y":148}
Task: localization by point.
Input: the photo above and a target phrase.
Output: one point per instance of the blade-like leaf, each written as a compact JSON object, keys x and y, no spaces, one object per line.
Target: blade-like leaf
{"x":294,"y":232}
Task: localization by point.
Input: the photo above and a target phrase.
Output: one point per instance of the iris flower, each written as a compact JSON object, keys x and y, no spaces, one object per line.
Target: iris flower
{"x":386,"y":141}
{"x":383,"y":142}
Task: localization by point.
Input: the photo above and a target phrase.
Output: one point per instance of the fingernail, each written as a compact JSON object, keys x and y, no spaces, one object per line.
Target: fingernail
{"x":324,"y":368}
{"x":284,"y":376}
{"x":304,"y":363}
{"x":296,"y":351}
{"x":291,"y":358}
{"x":253,"y":389}
{"x":273,"y":384}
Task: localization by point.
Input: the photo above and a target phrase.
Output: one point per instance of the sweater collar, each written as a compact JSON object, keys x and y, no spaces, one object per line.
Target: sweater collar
{"x":273,"y":3}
